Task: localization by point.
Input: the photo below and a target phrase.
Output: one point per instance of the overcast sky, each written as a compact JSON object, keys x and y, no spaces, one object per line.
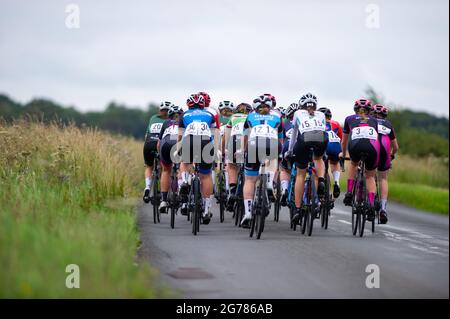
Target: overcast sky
{"x":136,"y":52}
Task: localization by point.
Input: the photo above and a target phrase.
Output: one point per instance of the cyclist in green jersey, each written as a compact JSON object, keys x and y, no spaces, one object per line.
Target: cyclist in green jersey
{"x":151,"y":144}
{"x":233,"y":133}
{"x":226,"y":109}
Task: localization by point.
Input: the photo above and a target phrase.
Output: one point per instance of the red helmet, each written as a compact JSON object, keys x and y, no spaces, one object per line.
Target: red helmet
{"x":274,"y":101}
{"x":362,"y":103}
{"x":379,"y":109}
{"x":195,"y":100}
{"x":206,"y":97}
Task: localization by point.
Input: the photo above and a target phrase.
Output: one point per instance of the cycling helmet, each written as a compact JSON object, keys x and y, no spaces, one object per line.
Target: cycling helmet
{"x":226,"y":105}
{"x":174,"y":110}
{"x":165,"y":105}
{"x":380,"y":110}
{"x":279,"y":108}
{"x":325,"y":111}
{"x":206,"y":97}
{"x":274,"y":101}
{"x":362,"y":103}
{"x":195,"y":100}
{"x":308,"y":100}
{"x":248,"y":107}
{"x":291,"y":109}
{"x":262,"y":100}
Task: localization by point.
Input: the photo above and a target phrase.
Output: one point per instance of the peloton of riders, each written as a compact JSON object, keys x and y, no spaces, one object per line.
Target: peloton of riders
{"x":240,"y":134}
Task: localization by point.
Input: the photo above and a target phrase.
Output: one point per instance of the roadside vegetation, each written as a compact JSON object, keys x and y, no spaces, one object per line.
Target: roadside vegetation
{"x":66,"y":197}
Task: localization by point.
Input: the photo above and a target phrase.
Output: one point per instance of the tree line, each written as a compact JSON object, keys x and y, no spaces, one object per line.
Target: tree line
{"x":419,"y":133}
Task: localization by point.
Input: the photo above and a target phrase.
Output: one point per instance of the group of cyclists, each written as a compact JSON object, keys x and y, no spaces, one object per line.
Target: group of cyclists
{"x":275,"y":136}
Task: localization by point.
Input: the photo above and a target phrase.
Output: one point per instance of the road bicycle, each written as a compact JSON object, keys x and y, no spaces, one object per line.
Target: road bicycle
{"x":360,"y":204}
{"x":155,"y":198}
{"x":260,"y":208}
{"x":327,"y":202}
{"x":172,"y":196}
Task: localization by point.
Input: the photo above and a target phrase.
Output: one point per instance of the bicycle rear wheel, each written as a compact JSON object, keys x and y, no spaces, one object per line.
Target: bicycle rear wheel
{"x":277,"y":205}
{"x":325,"y":207}
{"x":312,"y":207}
{"x":156,"y":216}
{"x":196,"y":206}
{"x":255,"y":209}
{"x":364,"y":212}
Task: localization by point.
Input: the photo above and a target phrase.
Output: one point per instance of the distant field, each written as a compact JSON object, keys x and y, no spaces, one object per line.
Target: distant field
{"x":66,"y":197}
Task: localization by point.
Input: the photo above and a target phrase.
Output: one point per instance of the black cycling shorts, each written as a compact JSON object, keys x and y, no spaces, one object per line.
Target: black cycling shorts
{"x":258,"y":151}
{"x":150,"y":151}
{"x":368,"y":147}
{"x":316,"y":140}
{"x":195,"y":149}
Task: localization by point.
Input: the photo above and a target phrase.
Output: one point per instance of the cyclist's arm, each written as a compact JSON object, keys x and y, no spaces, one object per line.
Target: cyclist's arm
{"x":344,"y":144}
{"x":293,"y":139}
{"x":394,"y":146}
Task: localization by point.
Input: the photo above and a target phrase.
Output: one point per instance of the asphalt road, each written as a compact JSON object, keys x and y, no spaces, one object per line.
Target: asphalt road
{"x":411,"y":252}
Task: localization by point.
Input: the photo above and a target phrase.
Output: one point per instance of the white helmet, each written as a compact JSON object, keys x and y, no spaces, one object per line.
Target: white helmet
{"x":166,"y":105}
{"x":226,"y":105}
{"x":291,"y":109}
{"x":262,"y":100}
{"x":308,"y":100}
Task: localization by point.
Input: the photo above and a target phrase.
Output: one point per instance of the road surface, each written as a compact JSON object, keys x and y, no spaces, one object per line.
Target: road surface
{"x":411,"y":253}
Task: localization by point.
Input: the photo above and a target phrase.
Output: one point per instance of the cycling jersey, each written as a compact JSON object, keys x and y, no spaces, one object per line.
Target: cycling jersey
{"x":168,"y":138}
{"x":197,"y":122}
{"x":236,"y":127}
{"x":263,"y":131}
{"x":197,"y":125}
{"x":363,"y":138}
{"x":151,"y":139}
{"x":385,"y":135}
{"x":287,"y":134}
{"x":335,"y":127}
{"x":264,"y":126}
{"x":154,"y":127}
{"x":223,"y":123}
{"x":334,"y":147}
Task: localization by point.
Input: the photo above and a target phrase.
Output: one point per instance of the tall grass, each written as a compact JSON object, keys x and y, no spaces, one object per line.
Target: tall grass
{"x":421,"y":183}
{"x":56,"y":185}
{"x":430,"y":171}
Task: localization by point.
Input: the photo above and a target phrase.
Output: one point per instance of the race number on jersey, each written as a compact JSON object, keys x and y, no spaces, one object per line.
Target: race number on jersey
{"x":308,"y":123}
{"x":155,"y":128}
{"x":237,"y":129}
{"x":333,"y":138}
{"x":171,"y":130}
{"x":364,"y":132}
{"x":383,"y":129}
{"x":263,"y":130}
{"x":198,"y":128}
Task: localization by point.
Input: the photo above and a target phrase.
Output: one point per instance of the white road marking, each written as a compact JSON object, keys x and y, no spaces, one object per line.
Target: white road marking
{"x":416,"y":240}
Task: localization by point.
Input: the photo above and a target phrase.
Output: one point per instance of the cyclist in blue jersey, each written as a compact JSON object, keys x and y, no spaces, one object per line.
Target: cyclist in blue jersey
{"x":197,"y":127}
{"x":263,"y":130}
{"x":334,"y":148}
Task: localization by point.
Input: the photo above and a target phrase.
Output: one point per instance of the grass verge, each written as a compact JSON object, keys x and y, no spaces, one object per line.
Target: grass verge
{"x":55,"y":184}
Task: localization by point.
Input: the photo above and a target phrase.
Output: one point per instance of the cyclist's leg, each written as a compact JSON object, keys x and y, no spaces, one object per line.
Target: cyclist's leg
{"x":333,"y":150}
{"x":384,"y":195}
{"x":372,"y":160}
{"x":355,"y":155}
{"x":301,"y":162}
{"x":251,"y":172}
{"x":149,"y":152}
{"x":166,"y":165}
